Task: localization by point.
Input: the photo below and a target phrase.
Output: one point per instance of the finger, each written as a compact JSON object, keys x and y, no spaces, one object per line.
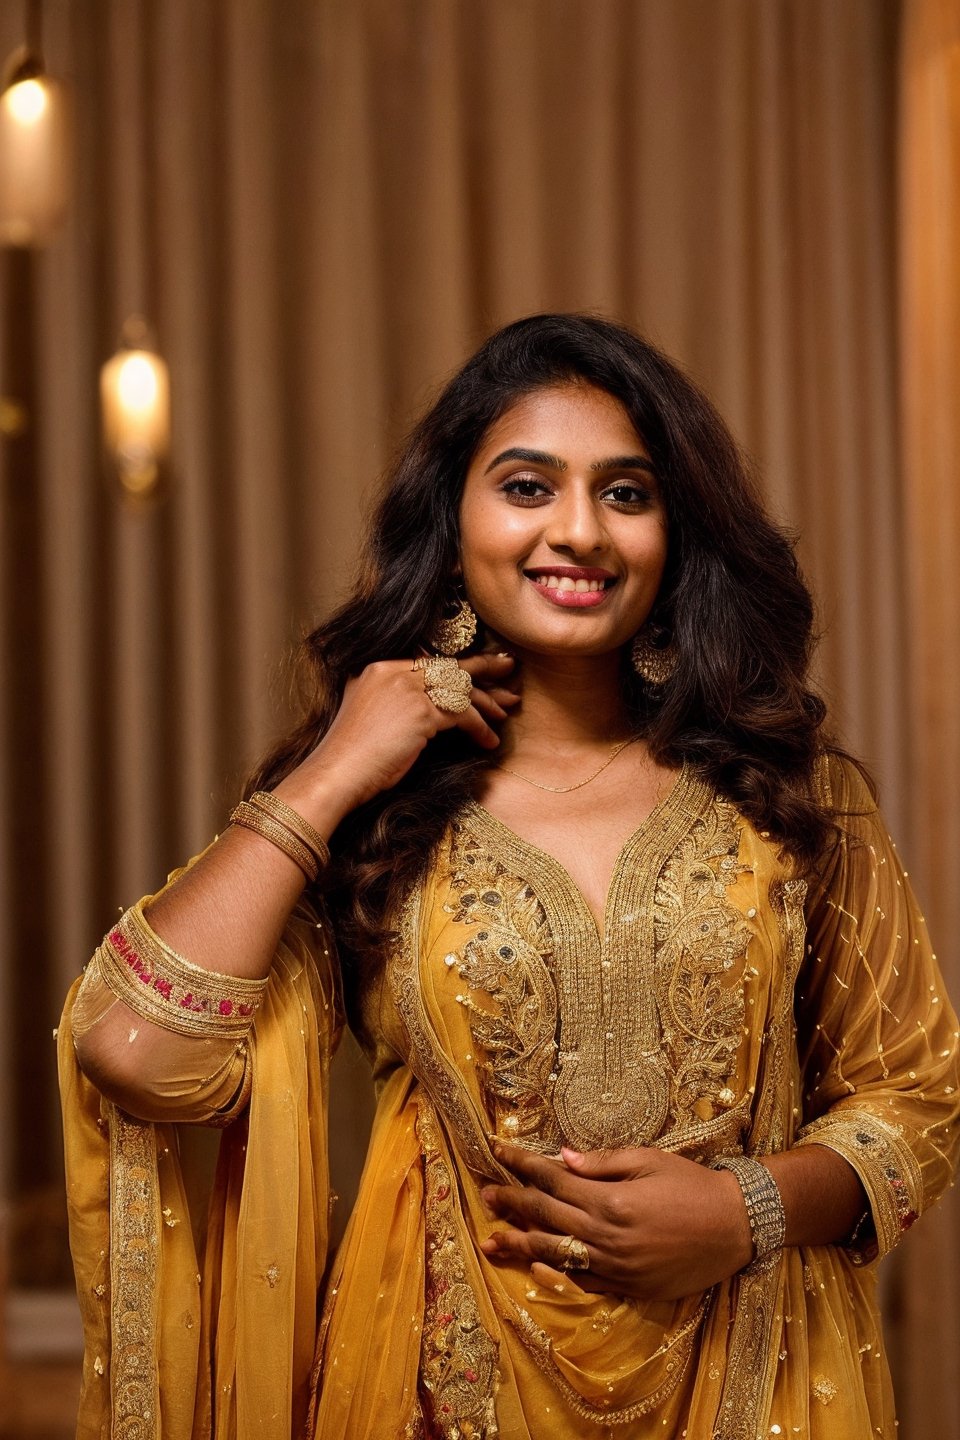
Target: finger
{"x":533,"y":1210}
{"x":531,"y":1246}
{"x":501,"y":695}
{"x":610,"y":1164}
{"x":474,"y":725}
{"x":552,"y":1176}
{"x":489,"y":667}
{"x":489,"y":708}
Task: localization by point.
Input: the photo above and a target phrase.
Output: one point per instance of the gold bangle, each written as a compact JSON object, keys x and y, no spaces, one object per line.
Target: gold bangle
{"x":161,"y":986}
{"x":254,"y":817}
{"x":306,"y":833}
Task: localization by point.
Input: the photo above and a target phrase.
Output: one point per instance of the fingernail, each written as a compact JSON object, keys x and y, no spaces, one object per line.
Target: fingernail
{"x":573,"y":1157}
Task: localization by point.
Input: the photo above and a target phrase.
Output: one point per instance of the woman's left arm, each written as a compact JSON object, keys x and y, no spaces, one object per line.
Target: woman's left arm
{"x":878,"y":1048}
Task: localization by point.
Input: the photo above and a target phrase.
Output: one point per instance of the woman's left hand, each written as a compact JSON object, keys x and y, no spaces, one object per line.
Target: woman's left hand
{"x":656,"y":1226}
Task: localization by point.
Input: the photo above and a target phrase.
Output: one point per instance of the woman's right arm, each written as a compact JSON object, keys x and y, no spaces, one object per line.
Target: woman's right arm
{"x":227,"y":911}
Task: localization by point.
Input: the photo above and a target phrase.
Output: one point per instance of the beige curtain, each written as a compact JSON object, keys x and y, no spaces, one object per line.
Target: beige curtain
{"x":929,"y":255}
{"x":323,"y":205}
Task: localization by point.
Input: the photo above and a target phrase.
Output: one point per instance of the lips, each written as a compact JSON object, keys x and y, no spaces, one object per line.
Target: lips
{"x":567,"y":578}
{"x":572,"y":586}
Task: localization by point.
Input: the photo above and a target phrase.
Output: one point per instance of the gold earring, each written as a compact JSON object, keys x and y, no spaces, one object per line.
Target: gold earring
{"x":455,"y":631}
{"x":653,"y":655}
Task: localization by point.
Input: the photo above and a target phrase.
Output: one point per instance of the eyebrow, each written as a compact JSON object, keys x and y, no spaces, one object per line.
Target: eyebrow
{"x":532,"y":457}
{"x":553,"y":462}
{"x":624,"y":462}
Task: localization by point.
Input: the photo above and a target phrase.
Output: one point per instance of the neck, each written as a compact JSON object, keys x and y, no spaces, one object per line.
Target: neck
{"x":571,"y":702}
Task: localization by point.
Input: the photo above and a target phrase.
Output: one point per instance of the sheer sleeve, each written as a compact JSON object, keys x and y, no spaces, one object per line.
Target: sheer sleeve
{"x":202,"y":1078}
{"x":163,"y":1038}
{"x":877,"y":1034}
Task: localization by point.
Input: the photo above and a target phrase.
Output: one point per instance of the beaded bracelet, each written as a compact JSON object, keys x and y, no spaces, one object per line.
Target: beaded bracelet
{"x":271,"y":818}
{"x":768,"y":1221}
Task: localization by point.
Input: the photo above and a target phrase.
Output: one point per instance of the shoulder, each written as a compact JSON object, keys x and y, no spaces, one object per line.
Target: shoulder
{"x":844,"y":786}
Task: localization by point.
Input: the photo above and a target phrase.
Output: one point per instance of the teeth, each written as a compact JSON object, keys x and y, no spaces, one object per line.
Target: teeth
{"x":566,"y":582}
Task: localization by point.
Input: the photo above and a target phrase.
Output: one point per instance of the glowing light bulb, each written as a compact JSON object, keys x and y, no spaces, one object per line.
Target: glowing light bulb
{"x":26,"y":101}
{"x":34,"y":145}
{"x":135,"y":401}
{"x":137,"y":383}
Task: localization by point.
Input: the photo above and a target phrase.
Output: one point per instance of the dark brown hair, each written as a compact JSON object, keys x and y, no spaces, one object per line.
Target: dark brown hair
{"x":737,"y":707}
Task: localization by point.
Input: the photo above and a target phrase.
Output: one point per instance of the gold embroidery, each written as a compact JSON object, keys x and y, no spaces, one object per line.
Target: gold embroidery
{"x":700,"y":937}
{"x":458,"y":1359}
{"x":134,"y":1259}
{"x":574,"y":1049}
{"x":161,"y":986}
{"x":751,"y":1371}
{"x":509,"y":958}
{"x":886,"y":1165}
{"x":426,"y":1057}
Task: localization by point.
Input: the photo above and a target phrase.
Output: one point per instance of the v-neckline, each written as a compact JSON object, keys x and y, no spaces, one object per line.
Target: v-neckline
{"x":685,"y":781}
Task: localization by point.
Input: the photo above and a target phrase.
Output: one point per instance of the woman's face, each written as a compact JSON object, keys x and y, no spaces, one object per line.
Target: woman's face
{"x":563,"y":531}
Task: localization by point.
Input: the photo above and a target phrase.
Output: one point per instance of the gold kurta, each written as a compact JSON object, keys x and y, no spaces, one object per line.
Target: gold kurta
{"x":725,"y":1006}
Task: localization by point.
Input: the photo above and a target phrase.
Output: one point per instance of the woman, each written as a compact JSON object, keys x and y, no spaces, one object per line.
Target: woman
{"x":614,"y":919}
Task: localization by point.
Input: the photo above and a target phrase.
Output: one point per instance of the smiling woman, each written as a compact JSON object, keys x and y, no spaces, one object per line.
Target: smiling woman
{"x":662,"y":1053}
{"x":564,"y":537}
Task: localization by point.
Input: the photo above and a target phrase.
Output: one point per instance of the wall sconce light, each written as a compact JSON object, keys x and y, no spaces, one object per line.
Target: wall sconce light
{"x":135,"y":409}
{"x":34,"y":133}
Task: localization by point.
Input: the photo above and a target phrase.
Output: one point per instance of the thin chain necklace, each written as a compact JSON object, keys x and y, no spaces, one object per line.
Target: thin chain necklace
{"x":565,"y":789}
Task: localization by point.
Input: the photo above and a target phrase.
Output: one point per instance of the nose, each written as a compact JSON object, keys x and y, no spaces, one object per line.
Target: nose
{"x":575,"y":523}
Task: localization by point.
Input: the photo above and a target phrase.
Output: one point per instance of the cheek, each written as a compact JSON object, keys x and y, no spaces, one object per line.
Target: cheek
{"x":491,"y":538}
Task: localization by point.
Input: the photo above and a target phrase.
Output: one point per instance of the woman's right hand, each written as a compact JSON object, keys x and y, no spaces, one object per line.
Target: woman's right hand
{"x":385,"y":720}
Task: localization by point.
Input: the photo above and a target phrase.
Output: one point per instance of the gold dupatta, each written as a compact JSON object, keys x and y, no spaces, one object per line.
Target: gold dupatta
{"x":205,"y":1326}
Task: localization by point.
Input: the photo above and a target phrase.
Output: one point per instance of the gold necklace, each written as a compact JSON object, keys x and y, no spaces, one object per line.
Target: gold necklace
{"x":565,"y":789}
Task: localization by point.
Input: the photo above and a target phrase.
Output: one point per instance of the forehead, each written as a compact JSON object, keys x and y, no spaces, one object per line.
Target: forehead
{"x":572,"y":421}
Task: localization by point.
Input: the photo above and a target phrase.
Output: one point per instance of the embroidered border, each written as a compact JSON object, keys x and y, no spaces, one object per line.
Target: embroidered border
{"x":161,"y":986}
{"x":886,"y":1166}
{"x":751,"y":1367}
{"x":425,"y":1058}
{"x":458,"y":1358}
{"x":134,"y":1276}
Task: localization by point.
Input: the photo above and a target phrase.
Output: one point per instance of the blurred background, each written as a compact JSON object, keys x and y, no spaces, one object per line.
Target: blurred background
{"x":244,"y":241}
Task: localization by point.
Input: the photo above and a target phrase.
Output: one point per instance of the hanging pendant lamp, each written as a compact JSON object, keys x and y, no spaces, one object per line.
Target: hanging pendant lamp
{"x":34,"y":133}
{"x":135,"y":410}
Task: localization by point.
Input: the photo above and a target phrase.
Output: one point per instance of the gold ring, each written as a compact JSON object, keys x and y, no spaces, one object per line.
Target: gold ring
{"x":447,"y":684}
{"x":572,"y":1254}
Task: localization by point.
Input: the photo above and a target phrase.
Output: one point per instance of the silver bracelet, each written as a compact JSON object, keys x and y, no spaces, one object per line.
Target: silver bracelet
{"x":768,"y":1221}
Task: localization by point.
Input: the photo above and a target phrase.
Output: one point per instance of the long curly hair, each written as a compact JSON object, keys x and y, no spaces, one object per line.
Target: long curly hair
{"x":737,"y":707}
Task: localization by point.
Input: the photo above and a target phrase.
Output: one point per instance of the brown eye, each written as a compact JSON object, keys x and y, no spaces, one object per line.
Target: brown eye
{"x":627,"y":493}
{"x":524,"y":488}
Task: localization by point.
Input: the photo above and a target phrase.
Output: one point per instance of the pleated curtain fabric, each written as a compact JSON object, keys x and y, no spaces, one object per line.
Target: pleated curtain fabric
{"x":323,"y":206}
{"x":926,"y":1309}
